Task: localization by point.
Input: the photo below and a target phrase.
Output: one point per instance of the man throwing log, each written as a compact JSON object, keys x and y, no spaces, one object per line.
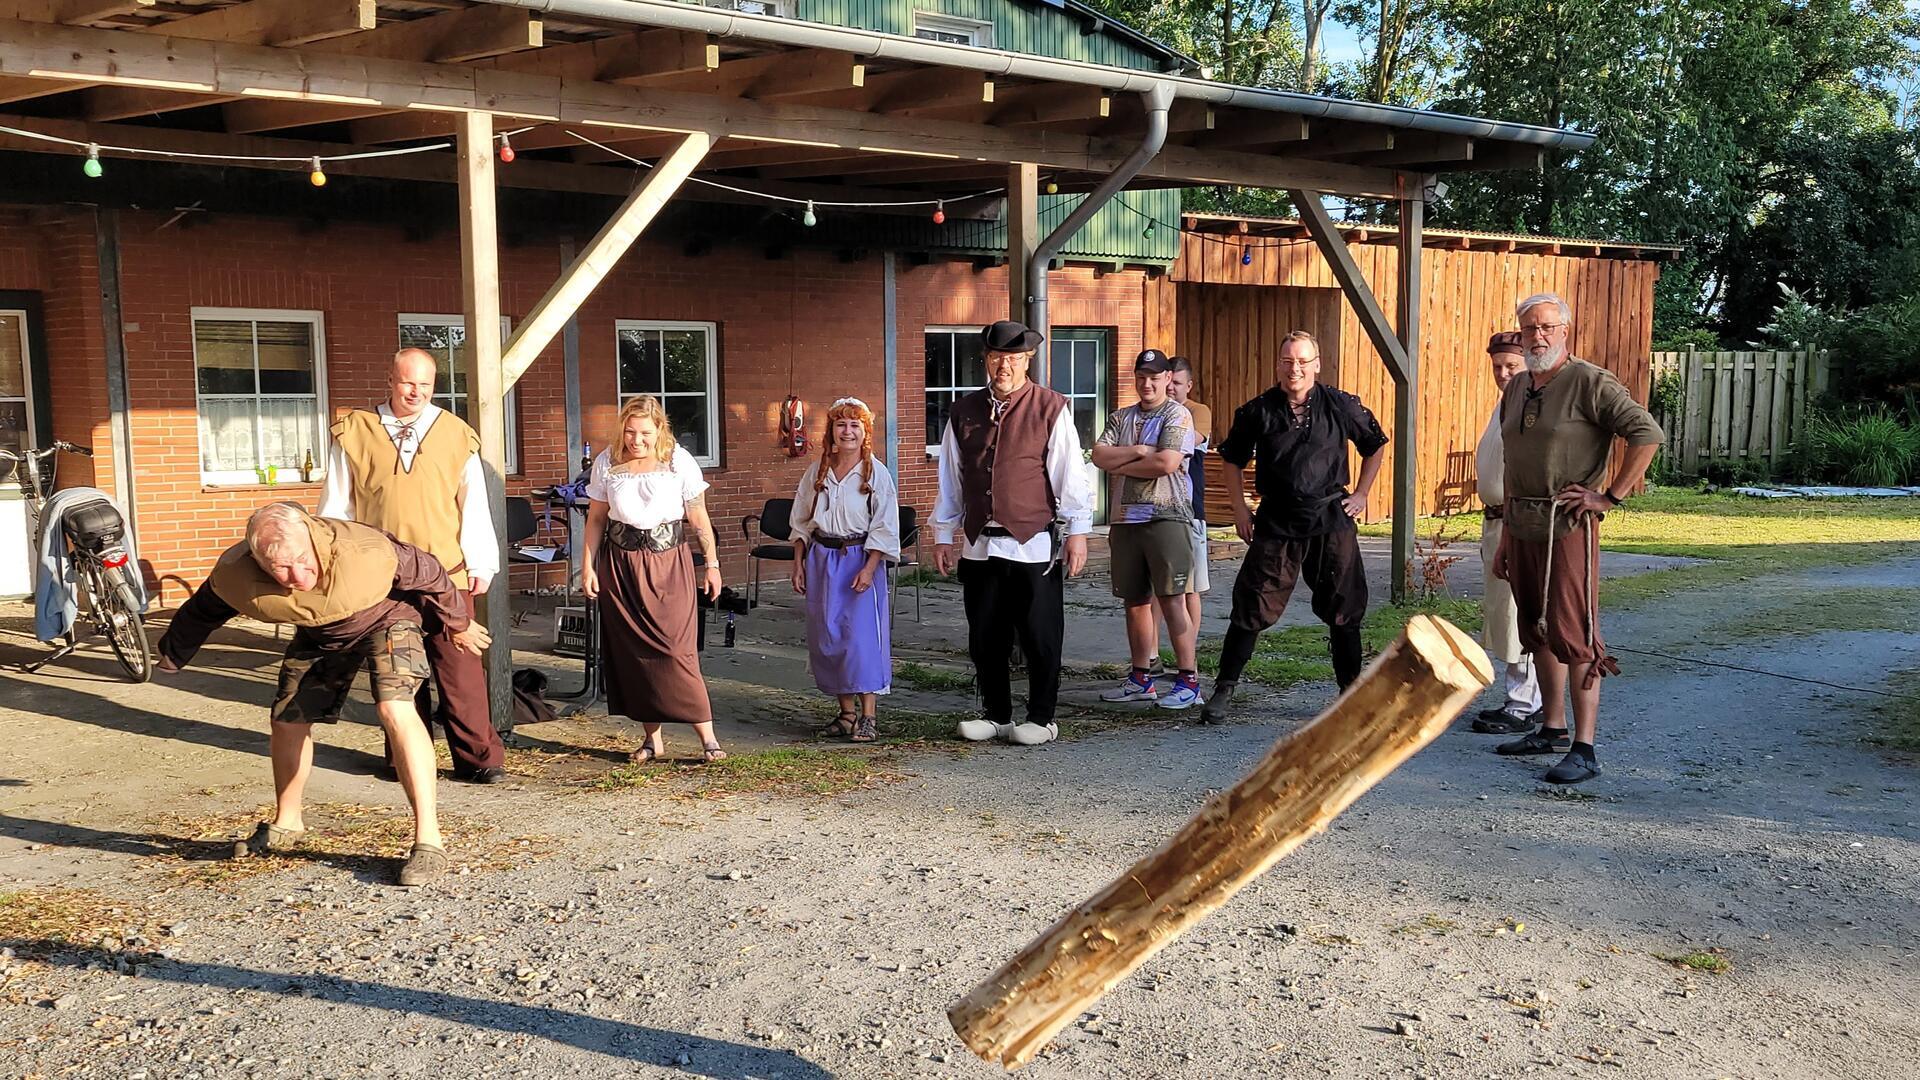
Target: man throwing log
{"x":356,"y":598}
{"x":1557,"y":424}
{"x":1010,"y":474}
{"x":412,"y":469}
{"x":1299,"y":432}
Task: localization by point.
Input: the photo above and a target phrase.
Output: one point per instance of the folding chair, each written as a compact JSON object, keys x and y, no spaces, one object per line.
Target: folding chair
{"x":909,"y":542}
{"x":774,"y":520}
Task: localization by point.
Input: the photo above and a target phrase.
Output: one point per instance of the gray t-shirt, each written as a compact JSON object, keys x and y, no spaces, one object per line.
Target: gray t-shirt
{"x":1163,"y":498}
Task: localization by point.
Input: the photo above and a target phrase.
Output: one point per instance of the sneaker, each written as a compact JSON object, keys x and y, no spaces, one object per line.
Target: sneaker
{"x":1158,"y":671}
{"x":982,"y":730}
{"x":1543,"y":741}
{"x":1573,"y":769}
{"x":1031,"y":734}
{"x":1184,"y":695}
{"x":1502,"y":722}
{"x":424,"y":863}
{"x":1216,"y":710}
{"x":1134,"y":687}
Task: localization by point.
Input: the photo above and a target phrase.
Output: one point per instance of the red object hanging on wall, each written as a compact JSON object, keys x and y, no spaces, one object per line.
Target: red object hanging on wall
{"x":793,"y":427}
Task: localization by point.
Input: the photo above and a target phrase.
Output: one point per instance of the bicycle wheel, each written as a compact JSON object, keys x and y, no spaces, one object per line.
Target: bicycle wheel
{"x":116,"y":607}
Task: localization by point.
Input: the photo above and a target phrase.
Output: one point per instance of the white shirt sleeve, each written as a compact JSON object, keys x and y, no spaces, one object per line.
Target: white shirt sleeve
{"x":478,"y":542}
{"x":948,"y":507}
{"x":800,"y":521}
{"x":336,"y":489}
{"x":597,"y":478}
{"x":1069,"y":476}
{"x":883,"y":530}
{"x":692,"y":485}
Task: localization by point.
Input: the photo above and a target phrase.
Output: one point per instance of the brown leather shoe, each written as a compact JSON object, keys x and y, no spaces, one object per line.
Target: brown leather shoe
{"x":424,"y":864}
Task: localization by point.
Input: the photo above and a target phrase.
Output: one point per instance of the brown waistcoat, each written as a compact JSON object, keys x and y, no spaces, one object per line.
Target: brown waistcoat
{"x":1003,"y":467}
{"x":421,"y":505}
{"x":357,"y":564}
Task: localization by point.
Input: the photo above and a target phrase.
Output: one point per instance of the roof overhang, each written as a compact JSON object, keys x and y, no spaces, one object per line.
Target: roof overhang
{"x":807,"y":106}
{"x":1231,"y":225}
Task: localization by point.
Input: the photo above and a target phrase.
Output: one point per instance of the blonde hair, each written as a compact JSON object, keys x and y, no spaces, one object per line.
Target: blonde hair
{"x":275,"y":527}
{"x":648,"y":406}
{"x":1302,"y":335}
{"x":847,"y":409}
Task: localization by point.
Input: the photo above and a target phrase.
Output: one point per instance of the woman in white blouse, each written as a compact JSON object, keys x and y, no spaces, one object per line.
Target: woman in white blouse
{"x":846,"y":527}
{"x":645,"y":497}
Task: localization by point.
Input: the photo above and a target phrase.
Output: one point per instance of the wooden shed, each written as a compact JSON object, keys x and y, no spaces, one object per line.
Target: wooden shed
{"x":1240,"y":284}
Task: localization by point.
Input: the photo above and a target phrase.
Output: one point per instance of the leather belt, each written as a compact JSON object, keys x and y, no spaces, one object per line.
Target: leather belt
{"x":996,"y":530}
{"x":837,"y":543}
{"x":663,"y":537}
{"x":1491,"y":513}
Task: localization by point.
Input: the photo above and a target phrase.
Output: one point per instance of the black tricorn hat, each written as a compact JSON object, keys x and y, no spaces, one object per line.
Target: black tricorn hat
{"x":1010,"y":336}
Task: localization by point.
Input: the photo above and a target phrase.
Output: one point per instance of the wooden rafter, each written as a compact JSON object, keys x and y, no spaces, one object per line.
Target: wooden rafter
{"x":219,"y":67}
{"x":1252,"y":129}
{"x":70,"y":11}
{"x":1047,"y":105}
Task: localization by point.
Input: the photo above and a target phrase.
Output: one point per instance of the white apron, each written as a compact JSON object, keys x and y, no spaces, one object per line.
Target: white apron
{"x":1502,"y":633}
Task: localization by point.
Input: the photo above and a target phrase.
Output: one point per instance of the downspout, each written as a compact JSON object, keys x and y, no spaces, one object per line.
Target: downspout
{"x":1157,"y":100}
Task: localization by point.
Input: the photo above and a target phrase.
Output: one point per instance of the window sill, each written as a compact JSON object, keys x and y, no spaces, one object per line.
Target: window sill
{"x":933,"y":452}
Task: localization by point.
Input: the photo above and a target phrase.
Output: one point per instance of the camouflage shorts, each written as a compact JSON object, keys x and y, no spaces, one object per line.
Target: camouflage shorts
{"x":314,"y":683}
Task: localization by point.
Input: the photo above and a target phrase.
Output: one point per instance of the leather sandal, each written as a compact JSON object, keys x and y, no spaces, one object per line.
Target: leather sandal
{"x":864,"y":731}
{"x":845,"y":724}
{"x":426,"y":862}
{"x":714,"y":753}
{"x":1543,"y":741}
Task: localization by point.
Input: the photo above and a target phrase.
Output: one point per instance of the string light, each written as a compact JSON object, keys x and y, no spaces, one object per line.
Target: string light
{"x":1246,"y":256}
{"x":92,"y":165}
{"x":1147,"y":233}
{"x":506,"y":149}
{"x":940,"y":213}
{"x":1053,"y":188}
{"x":317,"y":176}
{"x":809,"y":219}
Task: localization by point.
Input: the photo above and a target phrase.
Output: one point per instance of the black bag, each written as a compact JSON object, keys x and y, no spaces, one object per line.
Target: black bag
{"x":93,"y":527}
{"x":529,"y":698}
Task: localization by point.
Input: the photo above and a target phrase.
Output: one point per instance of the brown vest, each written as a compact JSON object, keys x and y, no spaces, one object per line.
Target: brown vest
{"x":357,"y":564}
{"x":421,"y":505}
{"x":1003,"y":467}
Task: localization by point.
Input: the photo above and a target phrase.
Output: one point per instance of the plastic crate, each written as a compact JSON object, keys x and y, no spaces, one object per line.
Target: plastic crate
{"x":570,"y":631}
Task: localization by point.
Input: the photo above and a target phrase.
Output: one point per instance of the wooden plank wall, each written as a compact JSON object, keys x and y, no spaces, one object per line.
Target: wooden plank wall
{"x":1468,"y":296}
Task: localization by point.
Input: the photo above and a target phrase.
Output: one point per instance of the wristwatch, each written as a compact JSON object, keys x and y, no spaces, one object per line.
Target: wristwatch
{"x":1611,"y":497}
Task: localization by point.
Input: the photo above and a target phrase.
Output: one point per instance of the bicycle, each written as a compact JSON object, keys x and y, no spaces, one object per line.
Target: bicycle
{"x":95,"y":539}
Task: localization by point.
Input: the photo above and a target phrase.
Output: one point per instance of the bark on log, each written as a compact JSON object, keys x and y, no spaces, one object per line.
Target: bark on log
{"x":1400,"y":703}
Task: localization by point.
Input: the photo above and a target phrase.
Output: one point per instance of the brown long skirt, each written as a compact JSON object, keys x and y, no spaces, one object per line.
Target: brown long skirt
{"x":649,"y":636}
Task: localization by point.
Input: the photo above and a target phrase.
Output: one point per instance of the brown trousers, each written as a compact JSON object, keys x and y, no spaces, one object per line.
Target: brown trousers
{"x":464,"y":709}
{"x":1563,"y":618}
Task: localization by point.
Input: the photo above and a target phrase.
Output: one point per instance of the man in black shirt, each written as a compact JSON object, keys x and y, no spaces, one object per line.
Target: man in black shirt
{"x":1298,"y":431}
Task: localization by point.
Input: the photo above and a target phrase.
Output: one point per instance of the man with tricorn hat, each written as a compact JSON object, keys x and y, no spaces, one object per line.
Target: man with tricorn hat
{"x":1013,"y":514}
{"x":356,"y":598}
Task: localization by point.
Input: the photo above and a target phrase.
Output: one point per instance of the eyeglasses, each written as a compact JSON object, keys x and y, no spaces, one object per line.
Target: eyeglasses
{"x":1543,"y":328}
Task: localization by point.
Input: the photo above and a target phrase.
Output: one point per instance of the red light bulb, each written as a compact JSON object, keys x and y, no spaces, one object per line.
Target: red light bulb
{"x":940,"y":213}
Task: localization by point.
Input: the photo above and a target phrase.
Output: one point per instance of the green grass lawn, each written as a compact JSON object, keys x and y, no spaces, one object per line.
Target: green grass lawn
{"x":1298,"y":654}
{"x":1736,"y":537}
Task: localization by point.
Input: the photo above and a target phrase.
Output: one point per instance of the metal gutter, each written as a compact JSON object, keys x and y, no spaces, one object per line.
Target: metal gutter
{"x":895,"y":47}
{"x":1157,"y":101}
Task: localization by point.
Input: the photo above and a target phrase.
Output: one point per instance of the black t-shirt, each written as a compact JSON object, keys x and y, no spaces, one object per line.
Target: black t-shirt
{"x":1301,"y":468}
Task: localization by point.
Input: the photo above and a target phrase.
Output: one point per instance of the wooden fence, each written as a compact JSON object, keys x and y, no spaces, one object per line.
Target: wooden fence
{"x":1738,"y":406}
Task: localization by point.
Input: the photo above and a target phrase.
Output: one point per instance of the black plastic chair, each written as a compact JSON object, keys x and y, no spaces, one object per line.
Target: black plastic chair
{"x":775,"y":521}
{"x":521,"y":527}
{"x":909,"y":557}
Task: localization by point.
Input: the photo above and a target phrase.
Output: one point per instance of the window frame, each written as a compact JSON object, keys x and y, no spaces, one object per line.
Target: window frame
{"x":933,"y":448}
{"x":776,"y":9}
{"x":512,"y":400}
{"x":979,"y":32}
{"x":315,"y":319}
{"x":28,"y":387}
{"x":713,"y":458}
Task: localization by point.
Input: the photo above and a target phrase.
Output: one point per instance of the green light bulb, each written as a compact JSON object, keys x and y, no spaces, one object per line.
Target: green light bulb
{"x":808,"y":219}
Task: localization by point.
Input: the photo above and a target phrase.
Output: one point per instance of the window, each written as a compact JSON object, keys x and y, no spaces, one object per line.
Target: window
{"x":952,"y":29}
{"x":674,"y":361}
{"x":16,"y":384}
{"x":445,"y":336}
{"x":1077,"y":367}
{"x":748,"y":7}
{"x":258,"y":376}
{"x":956,"y":365}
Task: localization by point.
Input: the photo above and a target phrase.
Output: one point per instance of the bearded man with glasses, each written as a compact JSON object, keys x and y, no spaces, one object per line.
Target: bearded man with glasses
{"x":1558,"y":422}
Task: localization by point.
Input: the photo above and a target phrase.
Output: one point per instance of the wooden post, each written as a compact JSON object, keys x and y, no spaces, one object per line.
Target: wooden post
{"x":1399,"y":704}
{"x":1406,"y":397}
{"x":480,"y":291}
{"x":1801,"y":362}
{"x":1023,"y":239}
{"x":1782,"y":401}
{"x":1696,"y":399}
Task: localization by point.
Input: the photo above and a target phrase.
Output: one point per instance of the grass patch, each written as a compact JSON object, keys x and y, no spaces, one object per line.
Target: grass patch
{"x":78,"y":917}
{"x":1897,"y":719}
{"x":1713,"y":961}
{"x":1805,"y":611}
{"x":1737,"y":538}
{"x":1298,"y":654}
{"x":798,"y":771}
{"x":926,"y":677}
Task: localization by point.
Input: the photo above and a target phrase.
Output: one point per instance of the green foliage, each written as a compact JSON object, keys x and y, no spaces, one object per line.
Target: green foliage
{"x":1679,"y":341}
{"x":1865,"y":447}
{"x":1876,"y":352}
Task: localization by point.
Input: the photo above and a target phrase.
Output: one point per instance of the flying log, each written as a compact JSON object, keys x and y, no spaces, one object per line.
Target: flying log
{"x":1399,"y":704}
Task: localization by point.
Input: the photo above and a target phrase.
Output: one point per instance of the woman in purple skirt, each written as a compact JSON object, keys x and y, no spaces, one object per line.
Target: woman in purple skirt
{"x":846,"y":528}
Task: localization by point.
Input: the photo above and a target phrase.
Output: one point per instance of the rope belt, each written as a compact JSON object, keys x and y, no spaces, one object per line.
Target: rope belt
{"x":1602,"y":663}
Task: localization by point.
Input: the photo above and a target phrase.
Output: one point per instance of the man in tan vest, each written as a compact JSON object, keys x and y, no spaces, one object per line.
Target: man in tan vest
{"x":356,"y":598}
{"x":412,"y":469}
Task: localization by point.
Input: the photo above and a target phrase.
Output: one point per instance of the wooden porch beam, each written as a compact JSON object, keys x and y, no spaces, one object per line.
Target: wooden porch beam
{"x":70,"y":11}
{"x":1052,"y":104}
{"x":600,"y":255}
{"x":1252,"y":129}
{"x":1340,"y":142}
{"x":1443,"y":152}
{"x":1406,"y":393}
{"x":273,"y":22}
{"x":480,"y":293}
{"x":62,"y":52}
{"x":1346,"y":271}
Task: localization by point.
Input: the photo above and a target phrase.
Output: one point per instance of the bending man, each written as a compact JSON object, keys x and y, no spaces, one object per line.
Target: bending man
{"x":355,"y":597}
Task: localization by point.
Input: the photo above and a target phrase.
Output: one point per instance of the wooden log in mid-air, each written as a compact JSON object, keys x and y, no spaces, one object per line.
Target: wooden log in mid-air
{"x":1398,"y":705}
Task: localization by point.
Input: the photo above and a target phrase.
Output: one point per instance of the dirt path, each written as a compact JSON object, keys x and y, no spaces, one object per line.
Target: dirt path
{"x":1505,"y":929}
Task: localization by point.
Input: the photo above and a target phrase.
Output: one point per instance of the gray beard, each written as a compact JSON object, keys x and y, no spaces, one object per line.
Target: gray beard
{"x":1545,"y":362}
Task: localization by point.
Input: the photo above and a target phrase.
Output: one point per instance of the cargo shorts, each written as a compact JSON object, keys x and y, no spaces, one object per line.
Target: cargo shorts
{"x":314,"y":682}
